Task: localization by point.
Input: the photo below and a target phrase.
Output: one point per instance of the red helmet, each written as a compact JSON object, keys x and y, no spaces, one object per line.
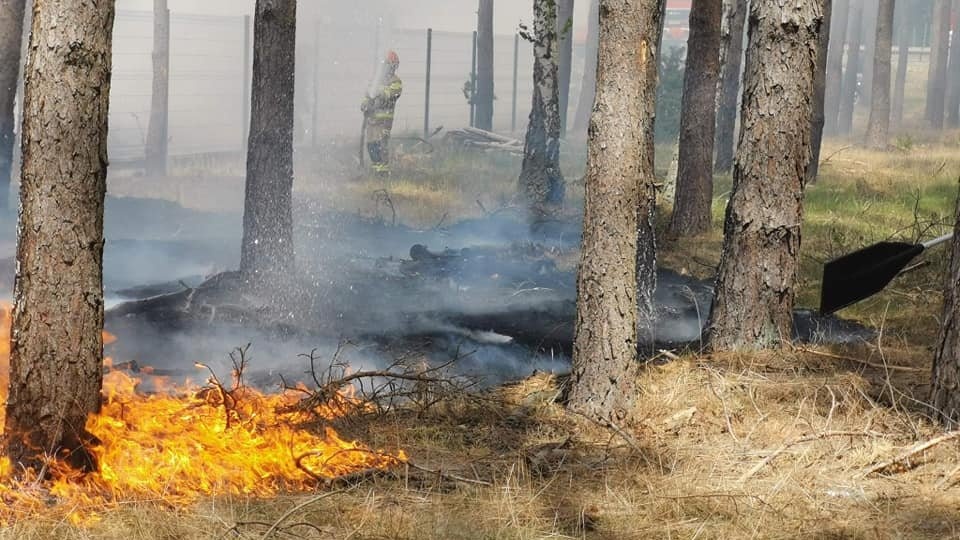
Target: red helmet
{"x":392,"y":58}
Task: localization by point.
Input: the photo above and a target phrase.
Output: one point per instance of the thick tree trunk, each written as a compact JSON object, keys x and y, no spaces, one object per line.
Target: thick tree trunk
{"x":11,"y":33}
{"x":905,"y":7}
{"x":730,"y":86}
{"x":753,"y":301}
{"x":565,"y":34}
{"x":157,"y":131}
{"x":267,"y":249}
{"x":819,"y":93}
{"x":694,"y":193}
{"x":541,"y":181}
{"x":612,"y":303}
{"x":848,"y":94}
{"x":945,"y":386}
{"x":953,"y":82}
{"x":878,"y":127}
{"x":56,"y":354}
{"x":937,"y":71}
{"x":840,"y":15}
{"x":484,"y":99}
{"x":589,"y":83}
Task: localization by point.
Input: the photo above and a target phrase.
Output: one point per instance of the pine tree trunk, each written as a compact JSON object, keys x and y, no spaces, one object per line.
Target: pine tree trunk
{"x":819,"y":94}
{"x":945,"y":385}
{"x":157,"y":138}
{"x":267,"y":249}
{"x":589,"y":83}
{"x":753,"y":302}
{"x":56,"y":354}
{"x":694,"y":194}
{"x":937,"y":71}
{"x":848,"y":94}
{"x":953,"y":82}
{"x":11,"y":34}
{"x":730,"y":86}
{"x":613,"y":305}
{"x":541,"y":181}
{"x":565,"y":34}
{"x":870,"y":13}
{"x":485,"y":91}
{"x":840,"y":15}
{"x":903,"y":58}
{"x":878,"y":127}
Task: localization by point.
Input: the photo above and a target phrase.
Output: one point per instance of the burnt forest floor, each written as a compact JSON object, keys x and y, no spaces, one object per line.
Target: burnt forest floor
{"x":774,"y":445}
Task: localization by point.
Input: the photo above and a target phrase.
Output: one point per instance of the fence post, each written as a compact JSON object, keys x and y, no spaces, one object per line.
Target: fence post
{"x":247,"y":81}
{"x":473,"y":82}
{"x":426,"y":101}
{"x":316,"y":85}
{"x":516,"y":58}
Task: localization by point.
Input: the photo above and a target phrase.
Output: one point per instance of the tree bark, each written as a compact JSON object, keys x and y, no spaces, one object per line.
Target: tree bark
{"x":694,"y":194}
{"x":11,"y":34}
{"x":819,"y":94}
{"x":56,"y":354}
{"x":485,"y":91}
{"x":541,"y":181}
{"x":840,"y":14}
{"x":157,"y":131}
{"x":945,"y":385}
{"x":878,"y":126}
{"x":937,"y":71}
{"x":903,"y":59}
{"x":848,"y":94}
{"x":870,"y":11}
{"x":614,"y":286}
{"x":565,"y":34}
{"x":730,"y":86}
{"x":267,"y":248}
{"x":953,"y":83}
{"x":589,"y":82}
{"x":754,"y":296}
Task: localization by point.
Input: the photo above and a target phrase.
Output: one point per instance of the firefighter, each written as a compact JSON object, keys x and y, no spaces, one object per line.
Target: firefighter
{"x":378,"y":108}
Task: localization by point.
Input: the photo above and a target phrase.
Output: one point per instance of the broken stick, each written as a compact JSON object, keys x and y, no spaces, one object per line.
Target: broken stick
{"x":917,"y":448}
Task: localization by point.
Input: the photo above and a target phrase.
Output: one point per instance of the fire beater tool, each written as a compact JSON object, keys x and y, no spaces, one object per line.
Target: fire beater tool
{"x":863,"y":273}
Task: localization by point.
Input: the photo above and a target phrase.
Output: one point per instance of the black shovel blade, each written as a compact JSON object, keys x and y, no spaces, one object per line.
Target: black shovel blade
{"x":861,"y":274}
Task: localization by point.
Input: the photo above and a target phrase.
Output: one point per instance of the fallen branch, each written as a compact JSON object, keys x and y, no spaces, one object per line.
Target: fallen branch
{"x":918,"y":448}
{"x":800,"y":440}
{"x":300,"y":506}
{"x":861,"y":361}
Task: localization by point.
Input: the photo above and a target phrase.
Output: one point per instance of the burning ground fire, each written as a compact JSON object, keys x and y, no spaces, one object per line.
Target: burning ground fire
{"x":181,"y":443}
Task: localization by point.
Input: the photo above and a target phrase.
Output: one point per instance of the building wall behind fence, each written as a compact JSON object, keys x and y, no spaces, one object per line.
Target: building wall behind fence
{"x":335,"y":65}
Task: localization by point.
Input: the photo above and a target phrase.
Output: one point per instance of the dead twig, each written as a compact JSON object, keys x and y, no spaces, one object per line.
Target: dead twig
{"x":300,"y":506}
{"x":825,"y":160}
{"x":906,"y":455}
{"x":860,"y":361}
{"x":801,"y":440}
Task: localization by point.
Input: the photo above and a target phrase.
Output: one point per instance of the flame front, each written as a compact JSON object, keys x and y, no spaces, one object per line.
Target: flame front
{"x":181,"y":444}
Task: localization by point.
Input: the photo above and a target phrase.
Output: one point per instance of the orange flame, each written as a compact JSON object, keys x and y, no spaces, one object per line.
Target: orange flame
{"x":184,"y":443}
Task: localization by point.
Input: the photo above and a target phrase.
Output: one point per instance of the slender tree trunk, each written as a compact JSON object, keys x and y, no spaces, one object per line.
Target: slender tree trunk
{"x":819,"y":94}
{"x":589,"y":82}
{"x":730,"y":86}
{"x":484,"y":112}
{"x":565,"y":34}
{"x":694,"y":194}
{"x":903,"y":59}
{"x":612,"y":303}
{"x":953,"y":82}
{"x":878,"y":127}
{"x":753,"y":302}
{"x":848,"y":95}
{"x":937,"y":71}
{"x":840,"y":15}
{"x":541,"y":181}
{"x":267,"y":249}
{"x":11,"y":34}
{"x":157,"y":138}
{"x":945,"y":386}
{"x":56,"y":354}
{"x":869,"y":46}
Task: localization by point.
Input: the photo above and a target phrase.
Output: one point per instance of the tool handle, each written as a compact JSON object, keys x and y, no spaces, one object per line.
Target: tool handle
{"x":937,"y":241}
